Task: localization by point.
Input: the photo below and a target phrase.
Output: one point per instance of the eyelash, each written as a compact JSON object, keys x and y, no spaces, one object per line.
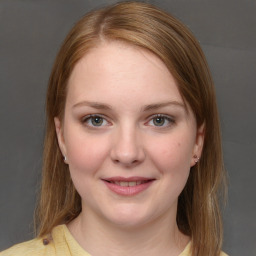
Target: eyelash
{"x":89,"y":119}
{"x":166,"y":118}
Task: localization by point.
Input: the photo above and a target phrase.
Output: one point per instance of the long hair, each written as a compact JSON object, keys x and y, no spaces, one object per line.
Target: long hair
{"x":145,"y":26}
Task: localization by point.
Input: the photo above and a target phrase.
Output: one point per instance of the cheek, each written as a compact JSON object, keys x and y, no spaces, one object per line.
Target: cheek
{"x":86,"y":153}
{"x":172,"y":155}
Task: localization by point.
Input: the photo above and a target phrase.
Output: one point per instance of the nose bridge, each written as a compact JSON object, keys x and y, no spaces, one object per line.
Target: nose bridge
{"x":127,"y":148}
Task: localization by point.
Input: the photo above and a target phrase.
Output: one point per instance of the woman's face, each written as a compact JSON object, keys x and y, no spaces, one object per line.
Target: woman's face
{"x":127,"y":136}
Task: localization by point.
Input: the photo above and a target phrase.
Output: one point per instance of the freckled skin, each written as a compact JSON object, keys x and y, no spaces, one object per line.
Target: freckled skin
{"x":126,"y":79}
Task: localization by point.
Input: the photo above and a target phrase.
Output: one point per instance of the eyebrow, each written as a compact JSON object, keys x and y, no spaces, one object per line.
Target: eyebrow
{"x":163,"y":104}
{"x":96,"y":105}
{"x":150,"y":107}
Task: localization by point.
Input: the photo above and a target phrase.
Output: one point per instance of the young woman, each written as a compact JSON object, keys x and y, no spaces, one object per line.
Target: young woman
{"x":132,"y":158}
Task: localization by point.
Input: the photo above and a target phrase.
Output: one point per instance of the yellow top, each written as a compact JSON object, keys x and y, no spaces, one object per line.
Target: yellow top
{"x":61,"y":243}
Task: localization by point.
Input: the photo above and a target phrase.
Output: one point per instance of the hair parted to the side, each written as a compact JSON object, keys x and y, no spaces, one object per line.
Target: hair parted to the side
{"x":145,"y":26}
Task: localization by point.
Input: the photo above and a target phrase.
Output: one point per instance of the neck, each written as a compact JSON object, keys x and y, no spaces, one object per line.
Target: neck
{"x":160,"y":237}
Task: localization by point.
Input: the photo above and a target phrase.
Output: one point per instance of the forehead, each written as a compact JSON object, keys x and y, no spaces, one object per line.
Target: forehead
{"x":121,"y":70}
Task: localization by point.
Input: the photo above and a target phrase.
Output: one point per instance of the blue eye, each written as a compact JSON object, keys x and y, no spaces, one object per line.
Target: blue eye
{"x":95,"y":121}
{"x":161,"y":121}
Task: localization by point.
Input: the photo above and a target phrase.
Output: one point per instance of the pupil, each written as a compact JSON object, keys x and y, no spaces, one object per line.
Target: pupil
{"x":97,"y":121}
{"x":158,"y":121}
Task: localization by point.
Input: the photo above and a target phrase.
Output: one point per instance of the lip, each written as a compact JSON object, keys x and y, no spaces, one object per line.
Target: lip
{"x":126,"y":190}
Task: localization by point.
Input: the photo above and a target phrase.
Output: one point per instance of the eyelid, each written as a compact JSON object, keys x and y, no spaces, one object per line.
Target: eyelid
{"x":84,"y":120}
{"x":169,"y":118}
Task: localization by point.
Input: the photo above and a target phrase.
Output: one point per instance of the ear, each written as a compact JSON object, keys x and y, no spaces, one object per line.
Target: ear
{"x":199,"y":143}
{"x":60,"y":136}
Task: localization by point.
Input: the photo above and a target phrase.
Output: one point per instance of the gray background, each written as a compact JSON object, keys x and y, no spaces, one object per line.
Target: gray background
{"x":30,"y":34}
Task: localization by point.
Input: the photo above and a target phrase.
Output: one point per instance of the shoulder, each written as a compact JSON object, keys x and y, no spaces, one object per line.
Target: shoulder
{"x":33,"y":247}
{"x":59,"y":242}
{"x":187,"y":251}
{"x":39,"y":246}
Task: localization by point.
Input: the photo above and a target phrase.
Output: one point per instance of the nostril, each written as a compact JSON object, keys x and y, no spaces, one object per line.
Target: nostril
{"x":126,"y":163}
{"x":127,"y":152}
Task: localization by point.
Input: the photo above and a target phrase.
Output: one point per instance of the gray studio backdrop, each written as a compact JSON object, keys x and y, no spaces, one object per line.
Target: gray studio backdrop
{"x":30,"y":34}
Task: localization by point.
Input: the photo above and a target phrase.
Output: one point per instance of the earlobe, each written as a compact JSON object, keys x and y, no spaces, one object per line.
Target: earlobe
{"x":60,"y":137}
{"x":199,"y":143}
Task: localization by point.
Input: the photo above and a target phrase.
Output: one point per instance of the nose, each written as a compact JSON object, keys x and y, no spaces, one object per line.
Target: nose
{"x":127,"y":148}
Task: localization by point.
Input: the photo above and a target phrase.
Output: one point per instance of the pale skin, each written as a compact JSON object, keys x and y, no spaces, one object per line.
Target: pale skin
{"x":125,"y":117}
